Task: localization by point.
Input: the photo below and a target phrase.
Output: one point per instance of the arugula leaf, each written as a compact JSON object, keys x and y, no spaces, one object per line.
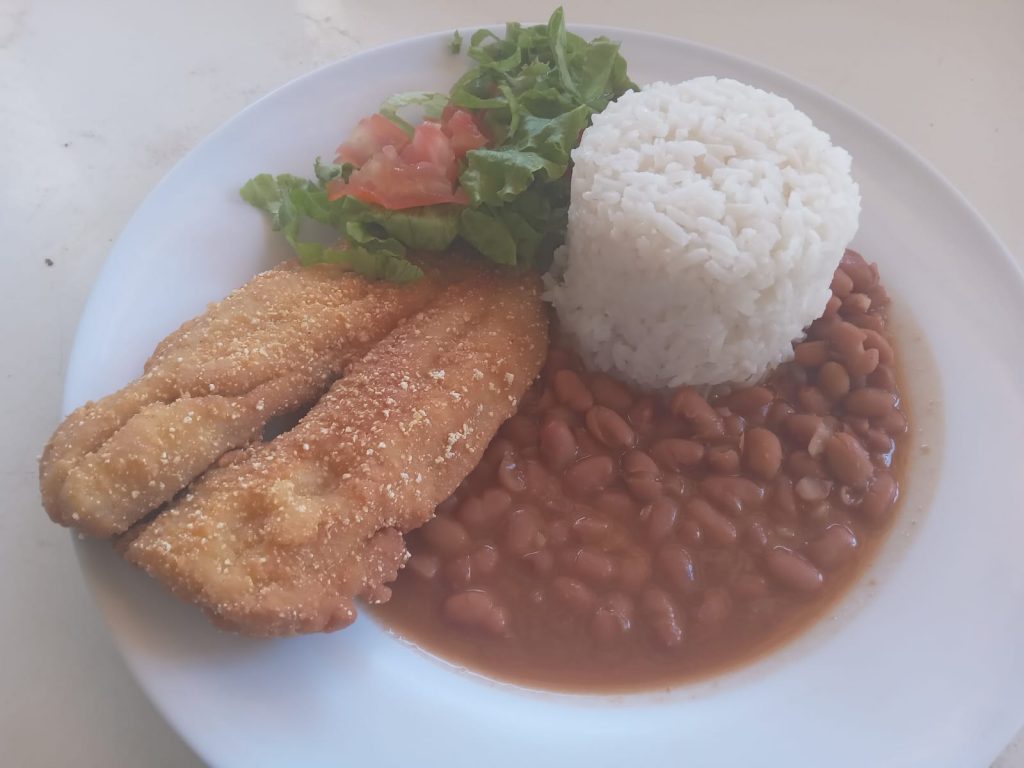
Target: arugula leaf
{"x":455,"y":46}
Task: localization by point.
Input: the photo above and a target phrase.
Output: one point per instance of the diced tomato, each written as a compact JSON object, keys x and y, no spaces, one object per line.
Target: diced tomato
{"x":431,"y":145}
{"x":388,"y":180}
{"x":460,"y":126}
{"x":370,"y":136}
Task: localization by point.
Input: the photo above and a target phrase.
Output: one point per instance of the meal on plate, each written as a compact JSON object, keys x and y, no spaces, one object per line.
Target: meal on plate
{"x":587,"y":392}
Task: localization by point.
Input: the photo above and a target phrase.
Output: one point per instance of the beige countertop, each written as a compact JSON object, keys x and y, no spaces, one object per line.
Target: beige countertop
{"x":99,"y":99}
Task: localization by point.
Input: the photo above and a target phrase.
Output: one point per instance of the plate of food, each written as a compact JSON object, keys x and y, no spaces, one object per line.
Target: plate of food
{"x":602,"y":397}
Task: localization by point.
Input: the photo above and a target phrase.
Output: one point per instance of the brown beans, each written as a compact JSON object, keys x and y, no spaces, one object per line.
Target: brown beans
{"x":557,"y":444}
{"x":676,"y":453}
{"x":833,"y":548}
{"x":848,"y":461}
{"x":718,"y":527}
{"x":641,"y":475}
{"x":446,"y":536}
{"x":611,"y":393}
{"x":879,"y":498}
{"x":705,"y":421}
{"x":793,"y":571}
{"x":571,"y":391}
{"x":833,"y":380}
{"x":869,"y":402}
{"x":811,"y":354}
{"x":477,"y":609}
{"x":734,"y":494}
{"x":624,"y":516}
{"x":590,"y":475}
{"x":762,"y":453}
{"x":609,"y":428}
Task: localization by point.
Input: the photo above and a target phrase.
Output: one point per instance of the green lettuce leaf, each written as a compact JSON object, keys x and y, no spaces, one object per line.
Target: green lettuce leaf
{"x":433,"y":105}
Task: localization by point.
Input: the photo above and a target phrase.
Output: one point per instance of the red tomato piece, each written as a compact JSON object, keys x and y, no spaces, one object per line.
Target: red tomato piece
{"x":388,"y":180}
{"x":463,"y":131}
{"x":370,"y":136}
{"x":431,"y":145}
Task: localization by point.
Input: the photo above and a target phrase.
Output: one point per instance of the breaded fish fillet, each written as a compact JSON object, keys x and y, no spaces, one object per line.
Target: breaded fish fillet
{"x":271,"y":347}
{"x":282,"y":541}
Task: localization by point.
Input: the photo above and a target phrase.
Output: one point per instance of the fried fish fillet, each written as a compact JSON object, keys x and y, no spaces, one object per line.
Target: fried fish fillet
{"x":283,"y":540}
{"x":272,"y":346}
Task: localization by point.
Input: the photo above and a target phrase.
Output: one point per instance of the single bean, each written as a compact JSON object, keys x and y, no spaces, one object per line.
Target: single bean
{"x":676,"y":453}
{"x":783,"y":507}
{"x":557,"y":444}
{"x":574,"y":593}
{"x":778,"y":413}
{"x":594,"y":565}
{"x":857,"y":302}
{"x":485,"y":559}
{"x":446,"y":536}
{"x":749,"y":400}
{"x":793,"y":571}
{"x":592,"y":529}
{"x":678,"y":567}
{"x":510,"y":474}
{"x":691,"y":532}
{"x":571,"y":391}
{"x":477,"y":609}
{"x":613,"y":618}
{"x":616,"y":504}
{"x":879,"y":498}
{"x":641,"y":475}
{"x":423,"y":565}
{"x":832,"y":306}
{"x":590,"y":475}
{"x":863,"y":275}
{"x":610,"y":428}
{"x":866,"y":321}
{"x":833,"y":548}
{"x":882,"y":377}
{"x":663,"y":617}
{"x":611,"y":393}
{"x":661,"y":517}
{"x":762,"y":452}
{"x":813,"y":400}
{"x":523,"y":533}
{"x":641,"y":415}
{"x":634,"y":569}
{"x":718,"y":527}
{"x":723,"y":460}
{"x":812,"y":489}
{"x":557,"y":532}
{"x":875,"y":340}
{"x":869,"y":402}
{"x":477,"y":517}
{"x":756,"y":534}
{"x":801,"y":464}
{"x":849,"y":462}
{"x":734,"y":494}
{"x":458,"y":572}
{"x":894,"y":423}
{"x":802,"y":426}
{"x":811,"y":354}
{"x":833,"y":380}
{"x":715,"y":607}
{"x":842,"y":285}
{"x":690,"y":405}
{"x":586,"y":443}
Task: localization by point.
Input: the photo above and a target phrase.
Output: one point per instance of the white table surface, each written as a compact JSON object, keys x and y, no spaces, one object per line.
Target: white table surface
{"x":99,"y":98}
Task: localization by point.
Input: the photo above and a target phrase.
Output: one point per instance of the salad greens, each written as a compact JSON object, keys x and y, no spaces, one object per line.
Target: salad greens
{"x":533,"y":91}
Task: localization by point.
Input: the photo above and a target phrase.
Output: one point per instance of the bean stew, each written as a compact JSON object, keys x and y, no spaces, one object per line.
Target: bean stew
{"x":612,"y":539}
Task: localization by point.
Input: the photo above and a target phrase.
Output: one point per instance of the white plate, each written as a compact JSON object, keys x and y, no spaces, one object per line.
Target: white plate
{"x":922,"y":666}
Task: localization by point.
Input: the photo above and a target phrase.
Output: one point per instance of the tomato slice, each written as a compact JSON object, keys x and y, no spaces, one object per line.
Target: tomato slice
{"x":460,"y":126}
{"x":370,"y":136}
{"x":388,"y":180}
{"x":431,"y":145}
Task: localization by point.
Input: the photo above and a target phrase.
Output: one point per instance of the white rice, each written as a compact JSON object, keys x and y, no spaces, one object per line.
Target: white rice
{"x":706,"y":221}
